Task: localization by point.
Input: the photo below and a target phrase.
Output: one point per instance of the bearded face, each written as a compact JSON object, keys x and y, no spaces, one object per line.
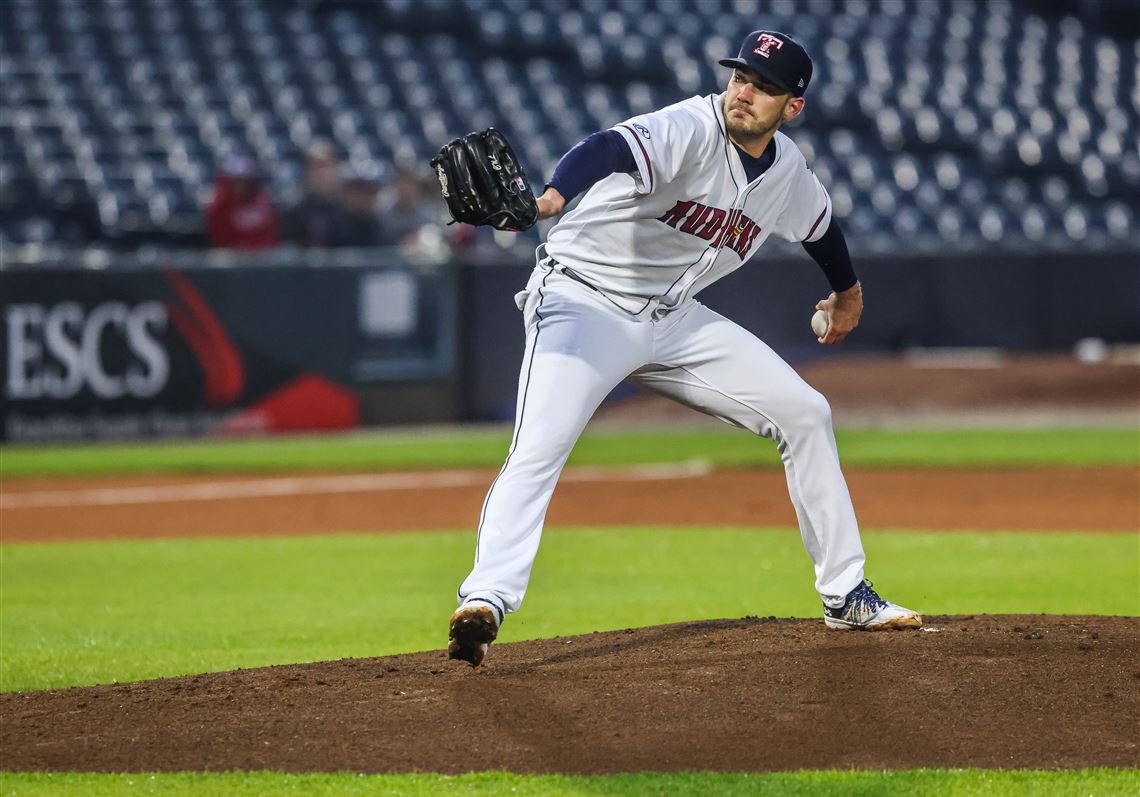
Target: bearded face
{"x":753,"y":107}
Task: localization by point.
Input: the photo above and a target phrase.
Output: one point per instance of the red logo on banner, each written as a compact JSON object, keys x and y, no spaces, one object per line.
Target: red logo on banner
{"x":308,"y":402}
{"x":221,"y":362}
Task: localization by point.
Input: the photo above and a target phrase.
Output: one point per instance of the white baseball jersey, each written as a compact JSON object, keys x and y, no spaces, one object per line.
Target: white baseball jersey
{"x":689,"y":216}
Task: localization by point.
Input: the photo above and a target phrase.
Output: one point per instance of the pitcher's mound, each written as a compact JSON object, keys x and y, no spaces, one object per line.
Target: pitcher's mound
{"x":753,"y":694}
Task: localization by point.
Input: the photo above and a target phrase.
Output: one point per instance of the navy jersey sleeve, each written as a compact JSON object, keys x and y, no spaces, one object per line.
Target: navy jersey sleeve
{"x":597,"y":156}
{"x":830,"y":252}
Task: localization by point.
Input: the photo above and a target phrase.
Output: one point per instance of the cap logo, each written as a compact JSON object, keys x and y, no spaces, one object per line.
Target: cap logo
{"x":767,"y":41}
{"x":801,"y":85}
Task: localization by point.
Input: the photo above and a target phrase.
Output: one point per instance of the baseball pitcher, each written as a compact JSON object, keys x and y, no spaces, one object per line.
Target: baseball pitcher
{"x":673,"y":201}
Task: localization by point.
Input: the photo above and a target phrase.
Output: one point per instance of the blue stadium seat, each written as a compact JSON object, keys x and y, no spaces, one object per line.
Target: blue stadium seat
{"x":942,"y":122}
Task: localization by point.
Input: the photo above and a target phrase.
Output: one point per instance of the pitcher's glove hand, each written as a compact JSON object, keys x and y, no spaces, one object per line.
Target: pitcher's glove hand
{"x":483,"y":182}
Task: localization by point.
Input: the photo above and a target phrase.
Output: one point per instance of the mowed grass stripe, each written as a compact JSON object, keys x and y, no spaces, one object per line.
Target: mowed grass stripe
{"x":486,"y":447}
{"x":905,"y":783}
{"x":122,"y":611}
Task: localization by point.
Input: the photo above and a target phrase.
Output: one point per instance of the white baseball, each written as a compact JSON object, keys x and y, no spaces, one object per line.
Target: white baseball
{"x":819,"y":323}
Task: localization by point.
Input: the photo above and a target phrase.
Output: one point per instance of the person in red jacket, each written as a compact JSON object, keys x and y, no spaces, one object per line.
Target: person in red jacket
{"x":241,"y":214}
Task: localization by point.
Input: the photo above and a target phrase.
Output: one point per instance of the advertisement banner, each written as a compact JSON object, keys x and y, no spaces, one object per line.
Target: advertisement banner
{"x":94,"y":354}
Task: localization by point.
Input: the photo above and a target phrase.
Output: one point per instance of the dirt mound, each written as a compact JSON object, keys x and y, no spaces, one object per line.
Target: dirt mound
{"x":987,"y":691}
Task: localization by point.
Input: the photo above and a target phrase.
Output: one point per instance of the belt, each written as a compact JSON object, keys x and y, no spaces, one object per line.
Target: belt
{"x":563,"y":269}
{"x":655,"y":303}
{"x":576,"y":277}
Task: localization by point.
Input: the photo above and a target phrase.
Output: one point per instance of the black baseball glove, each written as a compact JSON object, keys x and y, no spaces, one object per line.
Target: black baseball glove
{"x":483,"y":182}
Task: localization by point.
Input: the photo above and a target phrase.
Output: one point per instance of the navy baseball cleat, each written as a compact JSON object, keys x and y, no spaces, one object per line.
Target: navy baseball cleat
{"x":473,"y":629}
{"x":864,"y":610}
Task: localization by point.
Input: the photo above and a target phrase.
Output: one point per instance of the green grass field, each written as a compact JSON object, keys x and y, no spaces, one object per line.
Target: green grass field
{"x":915,"y":783}
{"x":104,"y":611}
{"x":120,"y":611}
{"x":485,"y":448}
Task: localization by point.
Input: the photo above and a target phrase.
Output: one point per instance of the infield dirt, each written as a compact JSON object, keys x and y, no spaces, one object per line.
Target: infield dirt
{"x":1036,"y":499}
{"x":751,"y":694}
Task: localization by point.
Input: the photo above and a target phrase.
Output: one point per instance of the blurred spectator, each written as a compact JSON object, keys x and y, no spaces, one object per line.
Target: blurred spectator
{"x":407,"y":208}
{"x":360,"y":225}
{"x":241,"y":214}
{"x":316,"y":220}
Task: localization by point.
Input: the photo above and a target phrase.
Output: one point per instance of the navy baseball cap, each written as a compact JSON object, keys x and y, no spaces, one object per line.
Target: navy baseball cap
{"x":776,"y":57}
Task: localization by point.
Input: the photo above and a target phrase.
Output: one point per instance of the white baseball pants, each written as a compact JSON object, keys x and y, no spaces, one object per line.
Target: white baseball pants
{"x":579,"y":345}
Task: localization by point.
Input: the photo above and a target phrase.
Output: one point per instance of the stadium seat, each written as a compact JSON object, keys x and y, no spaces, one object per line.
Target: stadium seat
{"x":946,"y":122}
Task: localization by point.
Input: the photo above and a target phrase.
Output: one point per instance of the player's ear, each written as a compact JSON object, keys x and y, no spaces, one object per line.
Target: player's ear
{"x":793,"y":108}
